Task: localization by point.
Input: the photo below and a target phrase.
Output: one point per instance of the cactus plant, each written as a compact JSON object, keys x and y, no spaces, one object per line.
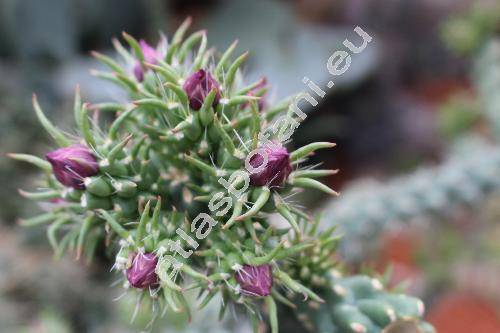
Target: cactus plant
{"x":464,"y":178}
{"x":369,"y":207}
{"x":487,"y":80}
{"x":467,"y":32}
{"x":359,"y":304}
{"x":179,"y":180}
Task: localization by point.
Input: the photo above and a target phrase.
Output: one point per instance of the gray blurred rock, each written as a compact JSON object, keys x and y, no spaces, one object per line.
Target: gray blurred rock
{"x":283,"y":49}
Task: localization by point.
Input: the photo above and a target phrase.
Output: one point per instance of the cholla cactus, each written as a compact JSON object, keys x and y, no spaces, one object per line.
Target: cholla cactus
{"x":359,"y":304}
{"x":487,"y":79}
{"x":165,"y":184}
{"x":369,"y":207}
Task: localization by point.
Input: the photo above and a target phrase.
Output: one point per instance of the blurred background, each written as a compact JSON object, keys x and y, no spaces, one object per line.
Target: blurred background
{"x":416,"y":119}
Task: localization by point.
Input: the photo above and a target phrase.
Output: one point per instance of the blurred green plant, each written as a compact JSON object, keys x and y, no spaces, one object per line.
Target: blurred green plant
{"x":465,"y":33}
{"x":469,"y":173}
{"x":458,"y":115}
{"x":368,"y":207}
{"x":487,"y":80}
{"x":47,"y":322}
{"x":360,"y":304}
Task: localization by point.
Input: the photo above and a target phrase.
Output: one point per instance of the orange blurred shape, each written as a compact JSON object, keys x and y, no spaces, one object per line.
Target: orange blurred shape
{"x":400,"y":246}
{"x":463,"y":313}
{"x":398,"y":252}
{"x":439,"y":91}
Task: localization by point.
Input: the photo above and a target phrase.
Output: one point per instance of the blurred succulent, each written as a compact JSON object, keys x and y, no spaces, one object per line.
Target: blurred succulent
{"x":487,"y":81}
{"x":463,"y":179}
{"x":467,"y":32}
{"x":179,"y":194}
{"x":359,"y":304}
{"x":458,"y":115}
{"x":368,"y":207}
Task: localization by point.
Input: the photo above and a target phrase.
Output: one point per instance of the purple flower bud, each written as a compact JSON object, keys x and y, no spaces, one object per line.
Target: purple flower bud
{"x":198,"y":86}
{"x":275,"y":171}
{"x":262,"y":101}
{"x":255,"y":280}
{"x":138,"y":72}
{"x":142,"y":273}
{"x":71,"y":165}
{"x":151,"y":56}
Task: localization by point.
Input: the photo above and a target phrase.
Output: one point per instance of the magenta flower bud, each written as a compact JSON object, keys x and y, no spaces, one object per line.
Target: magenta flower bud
{"x":198,"y":86}
{"x":138,"y":72}
{"x":255,"y":280}
{"x":71,"y":165}
{"x":151,"y":56}
{"x":261,"y":103}
{"x":142,"y":273}
{"x":275,"y":171}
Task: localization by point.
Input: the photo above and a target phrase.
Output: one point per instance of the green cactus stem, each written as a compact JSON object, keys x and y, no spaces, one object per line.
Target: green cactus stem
{"x":165,"y":183}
